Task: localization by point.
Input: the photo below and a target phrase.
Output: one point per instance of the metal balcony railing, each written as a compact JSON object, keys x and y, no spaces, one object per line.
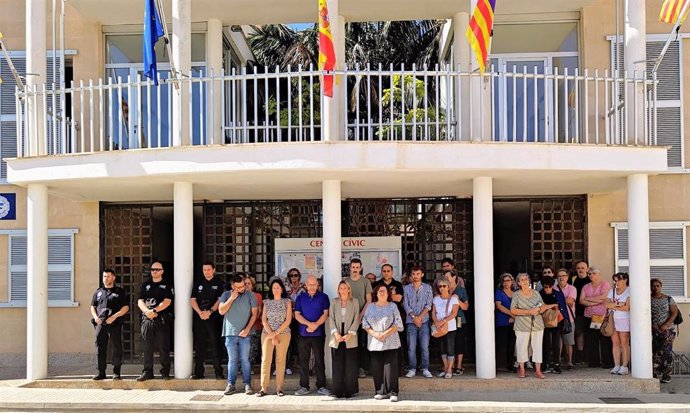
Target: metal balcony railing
{"x":374,"y":104}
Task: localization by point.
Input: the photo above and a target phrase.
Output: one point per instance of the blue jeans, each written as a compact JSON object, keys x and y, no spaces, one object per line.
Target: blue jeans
{"x":418,"y":335}
{"x":238,"y":351}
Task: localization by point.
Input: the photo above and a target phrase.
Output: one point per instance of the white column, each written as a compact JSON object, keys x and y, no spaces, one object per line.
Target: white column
{"x":182,"y":58}
{"x":214,"y":66}
{"x":640,"y":305}
{"x":37,"y":283}
{"x":635,"y":43}
{"x":483,"y":227}
{"x":334,"y":111}
{"x":332,"y":252}
{"x":36,"y":68}
{"x":462,"y":54}
{"x":183,"y":209}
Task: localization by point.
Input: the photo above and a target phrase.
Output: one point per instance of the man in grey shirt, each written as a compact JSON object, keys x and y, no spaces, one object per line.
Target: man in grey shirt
{"x":361,"y":291}
{"x":240,"y":309}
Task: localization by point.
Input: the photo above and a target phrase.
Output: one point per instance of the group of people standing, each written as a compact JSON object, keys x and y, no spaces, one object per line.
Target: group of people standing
{"x":548,"y":319}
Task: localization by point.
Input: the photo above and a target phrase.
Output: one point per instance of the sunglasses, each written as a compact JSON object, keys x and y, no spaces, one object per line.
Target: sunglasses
{"x":442,"y":286}
{"x":156,"y":269}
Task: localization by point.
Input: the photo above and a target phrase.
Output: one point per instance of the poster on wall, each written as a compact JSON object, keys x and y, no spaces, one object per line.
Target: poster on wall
{"x":306,"y":254}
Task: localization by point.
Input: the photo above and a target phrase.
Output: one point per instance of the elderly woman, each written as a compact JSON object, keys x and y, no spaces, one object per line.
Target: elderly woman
{"x":505,"y":335}
{"x":443,"y":312}
{"x":570,"y":294}
{"x":526,"y":307}
{"x":255,"y":348}
{"x":593,"y":297}
{"x":618,"y":302}
{"x":664,"y":312}
{"x":382,"y":322}
{"x":343,"y":322}
{"x":552,"y":337}
{"x":276,"y":318}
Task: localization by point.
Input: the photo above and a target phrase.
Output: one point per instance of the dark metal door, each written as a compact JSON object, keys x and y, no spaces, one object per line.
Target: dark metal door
{"x":559,"y":232}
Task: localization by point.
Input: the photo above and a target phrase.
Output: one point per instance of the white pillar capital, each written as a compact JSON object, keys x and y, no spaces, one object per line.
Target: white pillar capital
{"x":37,"y":283}
{"x":640,"y":305}
{"x":482,"y":215}
{"x":183,"y":212}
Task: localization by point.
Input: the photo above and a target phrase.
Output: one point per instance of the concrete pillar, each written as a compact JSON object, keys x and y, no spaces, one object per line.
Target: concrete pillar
{"x":482,"y":200}
{"x":36,"y":69}
{"x":640,"y":305}
{"x":462,"y":53}
{"x":334,"y":108}
{"x":183,"y":209}
{"x":635,"y":52}
{"x":214,"y":66}
{"x":37,"y":283}
{"x":332,"y":251}
{"x":182,"y":58}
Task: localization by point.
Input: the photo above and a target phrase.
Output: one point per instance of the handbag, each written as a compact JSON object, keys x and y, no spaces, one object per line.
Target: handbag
{"x":567,"y":325}
{"x":550,"y":318}
{"x":679,"y":316}
{"x":597,"y":320}
{"x":443,"y":330}
{"x":607,"y":326}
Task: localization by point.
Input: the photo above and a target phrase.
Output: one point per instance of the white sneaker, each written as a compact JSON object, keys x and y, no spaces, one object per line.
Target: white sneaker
{"x":288,"y":372}
{"x":394,"y":397}
{"x":324,"y":391}
{"x":623,"y":371}
{"x":616,"y":369}
{"x":410,"y":374}
{"x":529,"y":365}
{"x":378,"y":396}
{"x":442,"y":374}
{"x":427,"y":374}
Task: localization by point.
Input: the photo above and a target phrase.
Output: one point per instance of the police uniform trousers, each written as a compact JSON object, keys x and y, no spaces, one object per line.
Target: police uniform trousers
{"x":156,"y":334}
{"x":109,"y":333}
{"x":207,"y":340}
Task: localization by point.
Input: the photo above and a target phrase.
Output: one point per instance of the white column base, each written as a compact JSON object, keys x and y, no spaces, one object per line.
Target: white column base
{"x":37,"y":283}
{"x":184,"y":277}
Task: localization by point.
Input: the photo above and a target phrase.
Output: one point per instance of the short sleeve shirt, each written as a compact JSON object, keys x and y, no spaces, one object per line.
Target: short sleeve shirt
{"x":312,"y":308}
{"x":237,"y":317}
{"x":620,"y":298}
{"x":590,"y":291}
{"x":109,"y":301}
{"x":461,"y":293}
{"x":153,"y":293}
{"x":502,"y":319}
{"x":360,"y":290}
{"x":440,"y":309}
{"x":207,"y":292}
{"x":527,"y":323}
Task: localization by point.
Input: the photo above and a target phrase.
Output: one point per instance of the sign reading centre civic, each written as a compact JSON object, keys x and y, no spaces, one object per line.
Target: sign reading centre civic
{"x":8,"y":206}
{"x":306,"y":254}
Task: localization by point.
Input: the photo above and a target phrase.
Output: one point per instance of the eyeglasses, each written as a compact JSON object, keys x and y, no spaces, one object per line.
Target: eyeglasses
{"x":293,"y":275}
{"x":156,"y":269}
{"x":507,"y":280}
{"x":443,"y":286}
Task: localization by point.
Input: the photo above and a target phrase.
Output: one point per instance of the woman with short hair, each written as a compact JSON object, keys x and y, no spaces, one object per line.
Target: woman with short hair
{"x":382,"y":322}
{"x":618,"y":302}
{"x":343,"y":321}
{"x":527,"y":307}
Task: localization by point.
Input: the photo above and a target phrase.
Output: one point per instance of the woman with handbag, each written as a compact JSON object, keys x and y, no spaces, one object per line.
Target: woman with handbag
{"x":552,"y":321}
{"x":593,"y":297}
{"x":664,"y":318}
{"x":568,"y":326}
{"x":618,"y":303}
{"x":343,"y":322}
{"x":443,"y":312}
{"x":527,"y":307}
{"x":382,"y":322}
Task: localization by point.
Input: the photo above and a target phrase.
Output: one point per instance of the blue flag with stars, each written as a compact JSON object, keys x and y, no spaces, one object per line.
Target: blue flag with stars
{"x":153,"y":30}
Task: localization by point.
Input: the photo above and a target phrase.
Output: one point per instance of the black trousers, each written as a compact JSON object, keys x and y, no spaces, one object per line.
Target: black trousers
{"x":306,"y":345}
{"x":363,"y":356}
{"x":505,"y":346}
{"x":160,"y":339}
{"x":109,"y":333}
{"x":551,"y":345}
{"x":597,"y":347}
{"x":345,"y":381}
{"x":384,"y":369}
{"x":207,"y":340}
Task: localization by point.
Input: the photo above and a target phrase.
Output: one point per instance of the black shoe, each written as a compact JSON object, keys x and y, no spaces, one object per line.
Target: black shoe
{"x":99,"y":376}
{"x":196,"y":377}
{"x":166,"y":377}
{"x":116,"y":377}
{"x":665,"y":378}
{"x":512,"y":369}
{"x":557,"y":369}
{"x":145,"y":376}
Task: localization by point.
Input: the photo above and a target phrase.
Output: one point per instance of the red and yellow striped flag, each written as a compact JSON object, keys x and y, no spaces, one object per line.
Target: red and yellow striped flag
{"x":670,"y":10}
{"x":326,"y":48}
{"x":480,"y":30}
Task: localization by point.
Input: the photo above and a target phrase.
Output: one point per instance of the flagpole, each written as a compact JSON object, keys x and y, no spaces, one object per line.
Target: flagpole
{"x":15,"y":74}
{"x":675,"y":30}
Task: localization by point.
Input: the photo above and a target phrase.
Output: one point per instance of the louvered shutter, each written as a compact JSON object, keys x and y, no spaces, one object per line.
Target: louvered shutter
{"x":666,"y":253}
{"x":60,"y":267}
{"x":8,"y":110}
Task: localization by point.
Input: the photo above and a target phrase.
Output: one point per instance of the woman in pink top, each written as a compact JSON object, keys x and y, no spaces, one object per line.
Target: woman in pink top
{"x":570,"y":293}
{"x":593,"y":298}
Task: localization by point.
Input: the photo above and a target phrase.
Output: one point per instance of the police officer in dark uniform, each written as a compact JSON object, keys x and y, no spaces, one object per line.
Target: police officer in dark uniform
{"x":207,"y":322}
{"x":108,"y":304}
{"x":155,"y":303}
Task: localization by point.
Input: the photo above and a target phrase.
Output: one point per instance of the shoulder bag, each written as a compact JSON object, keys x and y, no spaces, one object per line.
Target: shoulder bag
{"x":443,"y":330}
{"x":679,"y":316}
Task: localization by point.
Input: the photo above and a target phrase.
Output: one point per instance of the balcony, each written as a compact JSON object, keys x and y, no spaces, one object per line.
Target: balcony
{"x":380,"y":104}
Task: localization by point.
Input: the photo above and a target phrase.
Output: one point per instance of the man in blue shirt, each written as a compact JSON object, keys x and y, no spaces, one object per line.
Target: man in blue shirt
{"x":417,"y":299}
{"x":311,"y":312}
{"x":240,"y":309}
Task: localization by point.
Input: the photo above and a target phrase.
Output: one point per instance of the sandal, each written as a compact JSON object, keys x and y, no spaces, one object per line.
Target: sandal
{"x":539,"y":375}
{"x":521,"y":373}
{"x":261,"y":393}
{"x":280,"y":393}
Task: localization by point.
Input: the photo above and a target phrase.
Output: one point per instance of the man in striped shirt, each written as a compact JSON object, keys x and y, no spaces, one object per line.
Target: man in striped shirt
{"x":417,"y":299}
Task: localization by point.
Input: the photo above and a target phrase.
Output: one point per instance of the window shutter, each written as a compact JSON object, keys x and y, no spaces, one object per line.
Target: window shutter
{"x":8,"y":111}
{"x":18,"y":268}
{"x":623,"y":244}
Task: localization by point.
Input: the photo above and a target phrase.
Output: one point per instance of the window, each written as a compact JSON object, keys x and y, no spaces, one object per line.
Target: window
{"x":666,"y":252}
{"x":669,"y":96}
{"x":60,"y":267}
